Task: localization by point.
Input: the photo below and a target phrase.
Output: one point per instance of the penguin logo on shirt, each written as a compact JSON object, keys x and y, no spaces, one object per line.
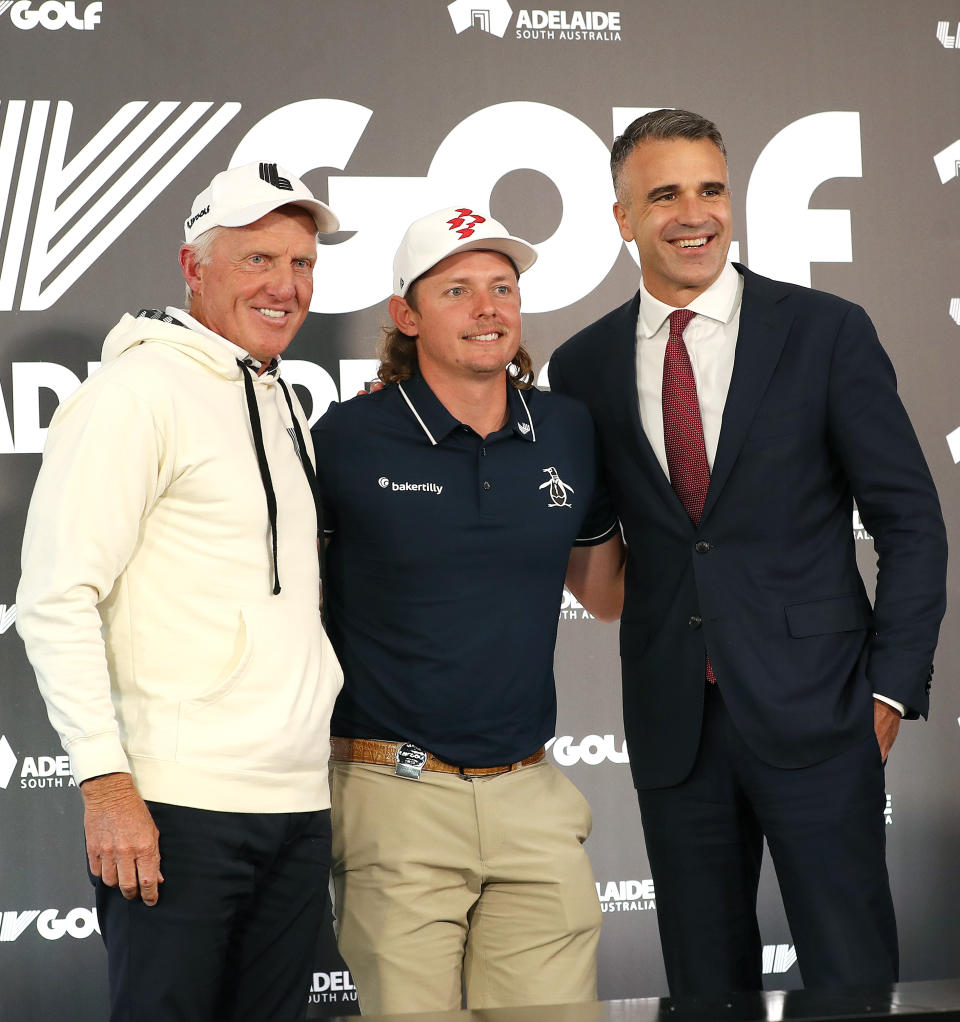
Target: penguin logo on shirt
{"x":558,"y":489}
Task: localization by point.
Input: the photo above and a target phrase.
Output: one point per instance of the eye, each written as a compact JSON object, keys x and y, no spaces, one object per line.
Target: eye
{"x":303,"y":264}
{"x":256,"y":259}
{"x":504,"y":290}
{"x":455,"y":292}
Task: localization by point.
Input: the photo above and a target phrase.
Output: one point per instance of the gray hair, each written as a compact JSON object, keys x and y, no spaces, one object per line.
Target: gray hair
{"x":660,"y":126}
{"x":202,"y":249}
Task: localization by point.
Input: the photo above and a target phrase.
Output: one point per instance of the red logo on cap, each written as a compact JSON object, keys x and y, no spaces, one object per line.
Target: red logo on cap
{"x":458,"y":222}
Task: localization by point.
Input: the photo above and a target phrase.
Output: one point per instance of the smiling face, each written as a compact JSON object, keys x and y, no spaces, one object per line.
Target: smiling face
{"x":465,"y":316}
{"x":255,"y":290}
{"x":677,"y":210}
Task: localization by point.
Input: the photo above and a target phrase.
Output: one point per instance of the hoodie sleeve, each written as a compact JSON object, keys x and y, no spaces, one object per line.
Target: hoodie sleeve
{"x":100,"y":475}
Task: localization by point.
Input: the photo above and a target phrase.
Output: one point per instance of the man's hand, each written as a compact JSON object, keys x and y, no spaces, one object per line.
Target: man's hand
{"x":122,"y":840}
{"x":886,"y":724}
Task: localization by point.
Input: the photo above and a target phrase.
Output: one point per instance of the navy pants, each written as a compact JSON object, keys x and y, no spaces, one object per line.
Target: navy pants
{"x":233,"y":933}
{"x":824,"y":826}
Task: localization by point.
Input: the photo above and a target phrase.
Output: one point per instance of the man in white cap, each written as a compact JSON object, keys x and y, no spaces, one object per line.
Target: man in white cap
{"x":169,"y":605}
{"x":453,"y":497}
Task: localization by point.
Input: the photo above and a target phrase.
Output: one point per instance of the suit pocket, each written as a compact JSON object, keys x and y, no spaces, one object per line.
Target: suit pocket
{"x":820,"y":617}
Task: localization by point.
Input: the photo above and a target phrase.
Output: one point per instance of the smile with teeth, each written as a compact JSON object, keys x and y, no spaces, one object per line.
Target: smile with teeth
{"x":272,"y":313}
{"x":483,"y":337}
{"x":690,"y":242}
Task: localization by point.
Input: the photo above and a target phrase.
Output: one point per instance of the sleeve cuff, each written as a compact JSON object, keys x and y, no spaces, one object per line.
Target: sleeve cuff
{"x":899,"y":707}
{"x":96,"y":755}
{"x":600,"y":537}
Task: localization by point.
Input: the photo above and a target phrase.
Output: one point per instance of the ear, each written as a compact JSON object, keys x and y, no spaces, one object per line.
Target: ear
{"x":405,"y":319}
{"x":192,"y":271}
{"x":623,"y":221}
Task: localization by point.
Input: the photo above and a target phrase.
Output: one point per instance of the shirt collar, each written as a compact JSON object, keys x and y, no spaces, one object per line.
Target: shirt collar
{"x":238,"y":353}
{"x":437,"y":423}
{"x":718,"y":302}
{"x":520,"y":418}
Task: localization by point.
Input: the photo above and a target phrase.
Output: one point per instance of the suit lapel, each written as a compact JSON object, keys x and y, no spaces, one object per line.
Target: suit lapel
{"x":762,"y":335}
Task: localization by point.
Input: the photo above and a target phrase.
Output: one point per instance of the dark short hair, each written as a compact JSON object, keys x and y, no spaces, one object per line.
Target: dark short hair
{"x":660,"y":126}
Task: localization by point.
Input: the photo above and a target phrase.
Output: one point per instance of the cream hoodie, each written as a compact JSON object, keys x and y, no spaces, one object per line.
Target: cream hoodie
{"x":145,"y":601}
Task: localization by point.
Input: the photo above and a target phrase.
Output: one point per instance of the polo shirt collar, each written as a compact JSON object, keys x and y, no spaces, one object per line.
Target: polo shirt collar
{"x":520,"y":419}
{"x":437,"y":423}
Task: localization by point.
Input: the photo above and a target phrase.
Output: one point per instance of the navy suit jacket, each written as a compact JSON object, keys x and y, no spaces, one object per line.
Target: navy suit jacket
{"x":768,"y":583}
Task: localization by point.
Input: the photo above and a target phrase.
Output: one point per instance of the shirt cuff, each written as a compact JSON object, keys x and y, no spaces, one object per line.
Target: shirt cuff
{"x":899,"y":707}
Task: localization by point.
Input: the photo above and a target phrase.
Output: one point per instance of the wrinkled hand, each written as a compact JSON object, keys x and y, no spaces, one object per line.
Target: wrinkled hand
{"x":372,"y":386}
{"x":886,"y":724}
{"x":122,"y":840}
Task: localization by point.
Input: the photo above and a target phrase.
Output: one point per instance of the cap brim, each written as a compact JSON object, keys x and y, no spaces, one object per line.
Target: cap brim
{"x":323,"y":216}
{"x":521,"y":254}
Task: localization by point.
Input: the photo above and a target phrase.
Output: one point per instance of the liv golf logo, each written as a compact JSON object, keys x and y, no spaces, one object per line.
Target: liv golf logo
{"x":52,"y":14}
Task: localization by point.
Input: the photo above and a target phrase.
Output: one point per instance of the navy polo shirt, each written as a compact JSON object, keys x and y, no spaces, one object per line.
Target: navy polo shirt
{"x":446,"y":563}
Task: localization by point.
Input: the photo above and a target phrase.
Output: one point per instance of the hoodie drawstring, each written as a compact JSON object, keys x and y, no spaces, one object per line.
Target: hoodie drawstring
{"x":271,"y":496}
{"x":311,"y":475}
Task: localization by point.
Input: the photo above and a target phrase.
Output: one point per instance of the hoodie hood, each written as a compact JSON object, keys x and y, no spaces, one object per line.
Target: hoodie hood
{"x":211,"y":353}
{"x":150,"y":326}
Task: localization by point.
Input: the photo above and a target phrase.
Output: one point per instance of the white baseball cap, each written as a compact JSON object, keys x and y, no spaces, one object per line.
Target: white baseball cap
{"x":241,"y":195}
{"x":456,"y":229}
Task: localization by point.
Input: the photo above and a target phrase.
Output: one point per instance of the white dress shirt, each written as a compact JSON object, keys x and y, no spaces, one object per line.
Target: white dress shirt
{"x":711,"y":341}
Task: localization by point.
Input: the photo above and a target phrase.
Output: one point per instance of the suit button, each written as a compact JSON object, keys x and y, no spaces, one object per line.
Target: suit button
{"x":695,"y":621}
{"x":702,"y":547}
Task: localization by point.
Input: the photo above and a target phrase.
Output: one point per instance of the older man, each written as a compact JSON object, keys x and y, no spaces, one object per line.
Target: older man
{"x":169,"y":605}
{"x":453,"y":497}
{"x":740,"y":418}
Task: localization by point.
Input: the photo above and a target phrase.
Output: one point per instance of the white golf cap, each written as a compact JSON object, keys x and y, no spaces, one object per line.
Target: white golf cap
{"x":241,"y":195}
{"x":456,"y":229}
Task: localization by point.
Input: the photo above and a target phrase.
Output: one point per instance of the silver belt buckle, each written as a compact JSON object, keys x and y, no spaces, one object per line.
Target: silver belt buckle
{"x":410,"y":761}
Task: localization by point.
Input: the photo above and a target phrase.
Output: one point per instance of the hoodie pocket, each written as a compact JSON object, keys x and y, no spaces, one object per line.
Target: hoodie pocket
{"x":272,"y":710}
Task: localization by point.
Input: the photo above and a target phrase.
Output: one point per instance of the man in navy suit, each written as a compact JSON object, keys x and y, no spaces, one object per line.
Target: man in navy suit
{"x":761,"y":691}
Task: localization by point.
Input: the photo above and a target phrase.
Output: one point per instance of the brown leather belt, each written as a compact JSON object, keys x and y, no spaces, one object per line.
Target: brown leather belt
{"x":369,"y":750}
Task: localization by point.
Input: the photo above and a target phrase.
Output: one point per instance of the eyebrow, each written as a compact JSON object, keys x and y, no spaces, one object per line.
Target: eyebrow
{"x":499,"y":279}
{"x":667,"y":189}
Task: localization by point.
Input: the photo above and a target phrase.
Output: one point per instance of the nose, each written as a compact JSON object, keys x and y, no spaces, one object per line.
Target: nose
{"x":483,"y":304}
{"x":281,"y":282}
{"x":691,"y":211}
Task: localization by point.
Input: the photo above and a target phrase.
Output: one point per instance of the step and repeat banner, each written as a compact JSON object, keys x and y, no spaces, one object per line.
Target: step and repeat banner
{"x":842,"y":122}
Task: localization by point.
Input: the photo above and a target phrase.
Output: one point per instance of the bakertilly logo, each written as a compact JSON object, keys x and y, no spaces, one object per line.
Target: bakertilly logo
{"x":394,"y":487}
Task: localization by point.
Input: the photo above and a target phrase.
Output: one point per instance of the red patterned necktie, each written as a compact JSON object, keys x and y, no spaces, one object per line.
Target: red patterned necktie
{"x":683,"y":428}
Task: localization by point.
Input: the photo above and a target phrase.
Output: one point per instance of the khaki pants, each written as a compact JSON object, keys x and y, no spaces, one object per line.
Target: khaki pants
{"x":446,"y":884}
